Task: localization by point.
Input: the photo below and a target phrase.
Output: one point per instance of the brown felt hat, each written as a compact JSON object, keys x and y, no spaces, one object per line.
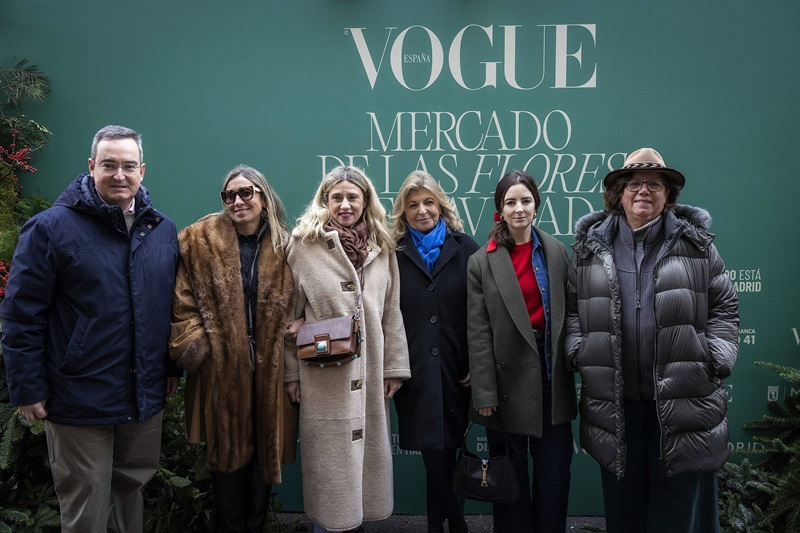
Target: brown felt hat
{"x":645,"y":159}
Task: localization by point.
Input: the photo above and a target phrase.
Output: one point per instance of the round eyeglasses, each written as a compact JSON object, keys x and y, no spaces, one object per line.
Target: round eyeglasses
{"x":652,"y":186}
{"x":110,"y":168}
{"x":245,"y":193}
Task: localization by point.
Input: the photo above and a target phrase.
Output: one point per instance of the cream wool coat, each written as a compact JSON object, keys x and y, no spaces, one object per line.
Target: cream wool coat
{"x":345,"y":435}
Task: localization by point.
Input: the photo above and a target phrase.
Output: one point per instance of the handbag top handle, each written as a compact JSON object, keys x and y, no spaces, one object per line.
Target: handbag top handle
{"x":499,"y":422}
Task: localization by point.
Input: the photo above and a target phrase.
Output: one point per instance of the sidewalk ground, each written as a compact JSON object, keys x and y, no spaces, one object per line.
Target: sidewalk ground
{"x":418,"y":524}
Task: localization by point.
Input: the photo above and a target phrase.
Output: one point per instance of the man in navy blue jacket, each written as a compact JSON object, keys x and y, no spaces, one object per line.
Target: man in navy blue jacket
{"x":86,"y":322}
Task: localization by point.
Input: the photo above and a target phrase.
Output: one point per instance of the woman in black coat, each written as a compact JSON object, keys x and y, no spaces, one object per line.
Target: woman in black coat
{"x":432,"y":406}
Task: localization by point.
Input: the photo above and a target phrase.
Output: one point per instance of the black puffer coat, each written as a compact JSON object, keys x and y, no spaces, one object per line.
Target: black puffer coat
{"x":696,"y":342}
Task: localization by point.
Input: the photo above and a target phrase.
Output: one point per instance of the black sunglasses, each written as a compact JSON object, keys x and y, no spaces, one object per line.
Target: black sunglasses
{"x":245,"y":193}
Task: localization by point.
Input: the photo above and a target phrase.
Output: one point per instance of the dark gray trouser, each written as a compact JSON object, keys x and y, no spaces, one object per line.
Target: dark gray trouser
{"x":442,"y":502}
{"x":646,"y":500}
{"x":241,"y":499}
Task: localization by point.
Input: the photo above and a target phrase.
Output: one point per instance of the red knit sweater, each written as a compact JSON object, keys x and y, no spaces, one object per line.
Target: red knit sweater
{"x":523,"y":266}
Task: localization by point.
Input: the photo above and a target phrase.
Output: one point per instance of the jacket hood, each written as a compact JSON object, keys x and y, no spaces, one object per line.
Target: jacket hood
{"x":689,"y":222}
{"x":699,"y":218}
{"x":82,"y":195}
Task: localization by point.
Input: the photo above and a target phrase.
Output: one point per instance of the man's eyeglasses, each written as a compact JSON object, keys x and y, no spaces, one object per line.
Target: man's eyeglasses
{"x":245,"y":193}
{"x":652,"y":186}
{"x":110,"y":168}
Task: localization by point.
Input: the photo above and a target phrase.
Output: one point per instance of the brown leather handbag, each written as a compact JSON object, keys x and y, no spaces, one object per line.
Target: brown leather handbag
{"x":332,"y":341}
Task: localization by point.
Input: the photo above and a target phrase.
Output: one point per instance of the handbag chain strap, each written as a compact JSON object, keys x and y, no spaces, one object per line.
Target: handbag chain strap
{"x":357,"y":316}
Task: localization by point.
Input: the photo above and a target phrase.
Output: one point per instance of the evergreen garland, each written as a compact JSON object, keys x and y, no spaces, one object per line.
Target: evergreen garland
{"x":764,"y":497}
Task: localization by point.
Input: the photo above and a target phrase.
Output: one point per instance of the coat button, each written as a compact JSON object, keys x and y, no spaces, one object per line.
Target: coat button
{"x":433,"y":319}
{"x":431,"y":287}
{"x":435,"y":351}
{"x":141,"y":234}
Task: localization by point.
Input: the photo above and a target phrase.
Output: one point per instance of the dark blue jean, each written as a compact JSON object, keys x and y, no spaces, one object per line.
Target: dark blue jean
{"x":543,"y":500}
{"x":647,"y":501}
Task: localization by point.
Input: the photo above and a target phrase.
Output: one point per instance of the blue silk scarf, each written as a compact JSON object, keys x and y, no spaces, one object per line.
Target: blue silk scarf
{"x":429,"y":244}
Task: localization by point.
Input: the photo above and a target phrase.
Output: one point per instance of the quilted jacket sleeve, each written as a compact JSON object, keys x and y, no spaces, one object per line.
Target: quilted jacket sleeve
{"x":722,"y":330}
{"x":573,"y":338}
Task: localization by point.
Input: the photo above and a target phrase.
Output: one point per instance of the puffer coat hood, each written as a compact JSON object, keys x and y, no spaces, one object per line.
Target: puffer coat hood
{"x":697,"y":322}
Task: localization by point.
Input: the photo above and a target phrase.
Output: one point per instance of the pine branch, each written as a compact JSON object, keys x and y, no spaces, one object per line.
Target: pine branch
{"x":12,"y":432}
{"x":788,"y":373}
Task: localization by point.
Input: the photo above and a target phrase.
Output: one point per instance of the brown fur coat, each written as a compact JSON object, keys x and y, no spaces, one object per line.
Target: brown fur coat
{"x":209,"y":339}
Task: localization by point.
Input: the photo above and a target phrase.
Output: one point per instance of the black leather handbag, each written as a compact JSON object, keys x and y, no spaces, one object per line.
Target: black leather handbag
{"x":492,"y":479}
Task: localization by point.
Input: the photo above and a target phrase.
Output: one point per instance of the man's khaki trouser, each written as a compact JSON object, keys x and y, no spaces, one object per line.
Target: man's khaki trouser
{"x":100,"y":473}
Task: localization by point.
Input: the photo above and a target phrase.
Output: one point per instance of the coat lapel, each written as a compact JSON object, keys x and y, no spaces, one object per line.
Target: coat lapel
{"x":410,"y":251}
{"x":508,"y":285}
{"x":449,"y":250}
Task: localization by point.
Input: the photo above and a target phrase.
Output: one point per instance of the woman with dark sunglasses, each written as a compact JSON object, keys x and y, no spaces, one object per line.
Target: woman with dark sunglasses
{"x":233,"y":297}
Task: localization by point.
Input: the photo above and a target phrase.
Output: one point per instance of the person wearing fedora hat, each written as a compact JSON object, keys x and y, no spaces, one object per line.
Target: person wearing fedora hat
{"x":652,"y":327}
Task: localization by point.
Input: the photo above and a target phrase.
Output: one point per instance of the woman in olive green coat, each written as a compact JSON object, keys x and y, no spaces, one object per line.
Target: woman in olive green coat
{"x":516,"y":326}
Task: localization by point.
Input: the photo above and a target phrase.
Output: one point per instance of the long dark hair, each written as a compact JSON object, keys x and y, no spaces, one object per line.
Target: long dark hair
{"x":500,"y":232}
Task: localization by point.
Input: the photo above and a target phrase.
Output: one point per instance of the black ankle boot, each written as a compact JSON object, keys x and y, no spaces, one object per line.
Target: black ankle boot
{"x":457,"y":526}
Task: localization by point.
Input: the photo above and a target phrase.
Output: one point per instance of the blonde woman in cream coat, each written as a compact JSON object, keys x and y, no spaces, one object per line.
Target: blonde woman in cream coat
{"x":345,"y":436}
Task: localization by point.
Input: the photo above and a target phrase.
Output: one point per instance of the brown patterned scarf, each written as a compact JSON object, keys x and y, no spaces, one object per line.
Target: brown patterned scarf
{"x":353,"y":239}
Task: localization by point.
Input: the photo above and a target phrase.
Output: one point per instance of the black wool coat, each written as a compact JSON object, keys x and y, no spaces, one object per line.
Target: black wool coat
{"x":432,"y":405}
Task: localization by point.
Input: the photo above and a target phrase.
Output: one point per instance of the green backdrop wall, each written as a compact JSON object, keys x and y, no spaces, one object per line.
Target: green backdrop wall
{"x":466,"y":90}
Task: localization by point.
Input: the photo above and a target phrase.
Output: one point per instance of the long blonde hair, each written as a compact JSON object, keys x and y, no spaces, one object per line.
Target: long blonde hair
{"x":422,"y":180}
{"x":311,"y":224}
{"x":274,"y":212}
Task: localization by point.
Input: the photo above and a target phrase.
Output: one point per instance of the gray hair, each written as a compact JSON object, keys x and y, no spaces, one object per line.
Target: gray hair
{"x":117,"y":132}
